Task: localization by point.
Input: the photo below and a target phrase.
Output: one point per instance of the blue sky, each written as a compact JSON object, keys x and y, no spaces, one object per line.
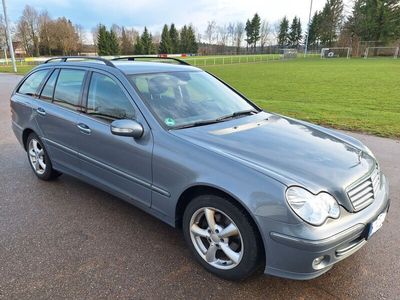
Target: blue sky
{"x":155,"y":13}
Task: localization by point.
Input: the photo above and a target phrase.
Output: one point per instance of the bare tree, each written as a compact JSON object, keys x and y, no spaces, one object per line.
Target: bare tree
{"x":117,"y":30}
{"x":239,"y":32}
{"x":223,"y":35}
{"x":3,"y":39}
{"x":231,"y":33}
{"x":210,"y":31}
{"x":95,"y":33}
{"x":66,"y":36}
{"x":44,"y":33}
{"x":275,"y":28}
{"x":132,"y":34}
{"x":80,"y":32}
{"x":29,"y":25}
{"x":23,"y":36}
{"x":265,"y":32}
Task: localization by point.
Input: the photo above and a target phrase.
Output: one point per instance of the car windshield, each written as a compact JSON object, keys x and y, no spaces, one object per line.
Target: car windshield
{"x":189,"y":98}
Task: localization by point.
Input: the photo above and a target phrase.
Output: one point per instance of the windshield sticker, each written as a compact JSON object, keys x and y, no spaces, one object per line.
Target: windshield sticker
{"x":169,"y":121}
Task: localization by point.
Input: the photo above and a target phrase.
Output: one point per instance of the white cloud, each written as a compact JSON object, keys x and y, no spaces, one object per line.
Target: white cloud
{"x":155,"y":13}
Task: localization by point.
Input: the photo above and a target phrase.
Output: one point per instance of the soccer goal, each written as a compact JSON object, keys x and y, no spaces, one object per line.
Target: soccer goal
{"x":376,"y":52}
{"x":289,"y":53}
{"x":336,"y":52}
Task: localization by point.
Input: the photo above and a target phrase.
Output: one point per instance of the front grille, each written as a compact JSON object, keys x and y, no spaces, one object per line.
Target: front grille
{"x":363,"y":193}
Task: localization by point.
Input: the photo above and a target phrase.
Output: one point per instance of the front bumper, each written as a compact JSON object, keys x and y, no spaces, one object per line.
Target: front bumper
{"x":291,"y":249}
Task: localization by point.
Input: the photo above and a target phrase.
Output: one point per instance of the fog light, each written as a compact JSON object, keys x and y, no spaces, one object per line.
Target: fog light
{"x":320,"y":262}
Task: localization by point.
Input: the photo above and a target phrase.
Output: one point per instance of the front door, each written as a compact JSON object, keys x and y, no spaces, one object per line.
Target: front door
{"x":122,"y":164}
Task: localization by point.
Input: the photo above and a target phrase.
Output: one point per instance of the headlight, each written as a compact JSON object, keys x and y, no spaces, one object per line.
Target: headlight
{"x":314,"y":209}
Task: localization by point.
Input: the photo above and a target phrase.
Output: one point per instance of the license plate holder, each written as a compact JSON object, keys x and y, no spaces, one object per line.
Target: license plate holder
{"x":377,"y":224}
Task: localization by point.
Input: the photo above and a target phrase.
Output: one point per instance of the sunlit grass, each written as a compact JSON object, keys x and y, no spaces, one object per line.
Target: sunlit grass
{"x":355,"y":94}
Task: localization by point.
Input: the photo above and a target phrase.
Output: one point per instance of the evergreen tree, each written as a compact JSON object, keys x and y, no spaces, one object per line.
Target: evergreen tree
{"x":147,"y":42}
{"x":255,"y":30}
{"x":138,"y":47}
{"x":331,"y":21}
{"x":113,"y":42}
{"x":249,"y":33}
{"x":184,"y":40}
{"x":191,"y":35}
{"x":174,"y":36}
{"x":165,"y":44}
{"x":283,"y":35}
{"x":103,"y":45}
{"x":126,"y":43}
{"x":295,"y":33}
{"x":313,"y":31}
{"x":377,"y":20}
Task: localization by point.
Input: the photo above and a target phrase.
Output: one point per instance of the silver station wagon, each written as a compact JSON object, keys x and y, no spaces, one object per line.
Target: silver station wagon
{"x":253,"y":191}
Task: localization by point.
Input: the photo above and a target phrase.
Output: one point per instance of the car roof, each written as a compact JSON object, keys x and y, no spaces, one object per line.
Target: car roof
{"x":128,"y":67}
{"x":140,"y":67}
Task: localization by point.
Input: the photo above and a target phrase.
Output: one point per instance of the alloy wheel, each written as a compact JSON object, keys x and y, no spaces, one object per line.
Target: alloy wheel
{"x":36,"y":156}
{"x":216,"y":238}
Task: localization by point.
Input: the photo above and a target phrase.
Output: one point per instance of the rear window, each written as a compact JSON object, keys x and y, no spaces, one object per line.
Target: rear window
{"x":47,"y":92}
{"x":68,"y":88}
{"x":31,"y":84}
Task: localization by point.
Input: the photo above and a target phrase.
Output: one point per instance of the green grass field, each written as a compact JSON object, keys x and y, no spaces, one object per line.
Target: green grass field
{"x":22,"y":69}
{"x":356,"y":94}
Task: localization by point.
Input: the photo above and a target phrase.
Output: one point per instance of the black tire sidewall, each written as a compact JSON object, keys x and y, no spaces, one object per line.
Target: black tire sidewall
{"x":252,"y":256}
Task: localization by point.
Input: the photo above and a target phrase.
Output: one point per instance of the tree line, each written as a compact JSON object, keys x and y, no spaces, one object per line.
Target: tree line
{"x":115,"y":41}
{"x":369,"y":20}
{"x":39,"y":34}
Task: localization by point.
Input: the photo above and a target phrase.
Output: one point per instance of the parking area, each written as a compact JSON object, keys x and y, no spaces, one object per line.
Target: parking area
{"x":67,"y":239}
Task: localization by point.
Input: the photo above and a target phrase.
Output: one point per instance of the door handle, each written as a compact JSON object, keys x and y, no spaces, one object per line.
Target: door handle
{"x":84,"y":128}
{"x":41,"y":111}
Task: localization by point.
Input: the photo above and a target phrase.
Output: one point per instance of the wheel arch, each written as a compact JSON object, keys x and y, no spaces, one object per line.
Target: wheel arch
{"x":25,"y":134}
{"x":203,"y":189}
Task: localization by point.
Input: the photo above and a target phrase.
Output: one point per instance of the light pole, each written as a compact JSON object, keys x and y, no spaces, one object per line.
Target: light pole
{"x":308,"y":30}
{"x":10,"y":45}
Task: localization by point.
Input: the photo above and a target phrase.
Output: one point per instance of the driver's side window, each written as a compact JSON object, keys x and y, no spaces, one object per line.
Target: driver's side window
{"x":107,"y":100}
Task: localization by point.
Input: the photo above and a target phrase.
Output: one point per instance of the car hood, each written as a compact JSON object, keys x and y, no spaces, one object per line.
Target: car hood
{"x":291,"y":151}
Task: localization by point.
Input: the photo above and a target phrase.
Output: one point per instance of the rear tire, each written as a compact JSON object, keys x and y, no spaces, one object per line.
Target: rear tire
{"x":222,"y":238}
{"x":39,"y":160}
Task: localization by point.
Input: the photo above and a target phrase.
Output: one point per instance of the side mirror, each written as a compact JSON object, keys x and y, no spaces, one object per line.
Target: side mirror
{"x":127,"y":128}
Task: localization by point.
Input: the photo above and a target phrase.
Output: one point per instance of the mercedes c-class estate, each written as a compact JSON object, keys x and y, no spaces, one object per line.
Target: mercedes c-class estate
{"x":252,"y":190}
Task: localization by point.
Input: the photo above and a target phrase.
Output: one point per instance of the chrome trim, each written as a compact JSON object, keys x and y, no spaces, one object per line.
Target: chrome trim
{"x":364,"y":191}
{"x":350,"y":248}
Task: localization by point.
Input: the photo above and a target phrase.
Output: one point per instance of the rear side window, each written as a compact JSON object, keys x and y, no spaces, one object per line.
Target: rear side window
{"x":68,"y":88}
{"x":47,"y":92}
{"x":32,"y":83}
{"x":107,"y":100}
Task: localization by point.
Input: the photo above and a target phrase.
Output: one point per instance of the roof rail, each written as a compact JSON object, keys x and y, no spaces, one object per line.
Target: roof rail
{"x":132,"y":58}
{"x":65,"y":58}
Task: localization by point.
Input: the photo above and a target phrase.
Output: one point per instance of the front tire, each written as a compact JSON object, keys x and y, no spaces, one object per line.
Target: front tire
{"x":39,"y":160}
{"x":222,"y":237}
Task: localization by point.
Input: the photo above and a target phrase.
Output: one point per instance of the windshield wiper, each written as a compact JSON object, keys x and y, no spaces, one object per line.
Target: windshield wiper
{"x":220,"y":119}
{"x":237,"y":113}
{"x":197,"y":123}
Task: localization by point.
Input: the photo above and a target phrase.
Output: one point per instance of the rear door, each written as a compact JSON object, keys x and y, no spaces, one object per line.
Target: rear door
{"x":57,"y":111}
{"x":122,"y":164}
{"x":23,"y":100}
